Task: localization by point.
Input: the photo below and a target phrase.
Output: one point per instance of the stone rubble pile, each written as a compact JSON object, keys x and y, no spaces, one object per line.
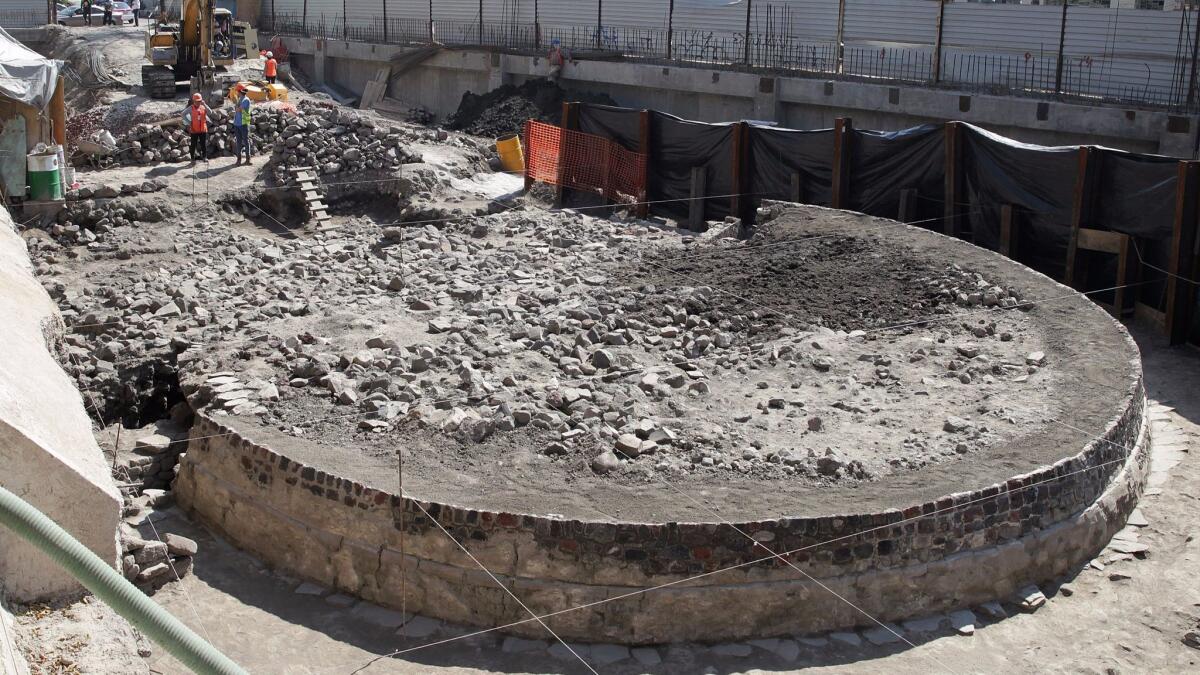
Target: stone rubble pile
{"x":151,"y":564}
{"x":336,"y":140}
{"x":151,"y":143}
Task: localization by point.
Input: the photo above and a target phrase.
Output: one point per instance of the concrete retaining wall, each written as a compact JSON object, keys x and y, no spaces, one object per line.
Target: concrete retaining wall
{"x":723,"y":95}
{"x":48,"y":455}
{"x":959,"y":550}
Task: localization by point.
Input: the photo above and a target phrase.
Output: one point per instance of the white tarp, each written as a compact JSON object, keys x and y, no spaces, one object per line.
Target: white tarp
{"x":25,"y":75}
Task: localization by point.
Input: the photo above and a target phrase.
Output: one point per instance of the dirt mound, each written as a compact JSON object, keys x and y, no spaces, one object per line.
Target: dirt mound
{"x":504,"y":111}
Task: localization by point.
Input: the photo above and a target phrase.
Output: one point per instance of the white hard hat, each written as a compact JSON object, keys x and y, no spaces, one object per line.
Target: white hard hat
{"x":270,"y":55}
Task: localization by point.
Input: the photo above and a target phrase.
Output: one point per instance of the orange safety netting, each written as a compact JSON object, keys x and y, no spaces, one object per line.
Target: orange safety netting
{"x":584,"y":162}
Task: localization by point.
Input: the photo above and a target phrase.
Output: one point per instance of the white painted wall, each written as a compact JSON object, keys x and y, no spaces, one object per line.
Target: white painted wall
{"x":48,"y":455}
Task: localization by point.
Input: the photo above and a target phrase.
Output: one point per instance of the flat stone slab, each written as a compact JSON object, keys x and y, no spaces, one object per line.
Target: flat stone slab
{"x":309,"y":588}
{"x":604,"y":655}
{"x":845,"y":638}
{"x":388,"y":618}
{"x":883,"y":635}
{"x":419,"y":626}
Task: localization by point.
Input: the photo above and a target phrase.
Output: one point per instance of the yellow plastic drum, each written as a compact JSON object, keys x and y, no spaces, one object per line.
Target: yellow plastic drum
{"x":512,"y":156}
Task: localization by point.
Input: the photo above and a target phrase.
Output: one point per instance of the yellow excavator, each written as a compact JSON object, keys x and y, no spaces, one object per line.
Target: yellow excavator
{"x":196,"y":49}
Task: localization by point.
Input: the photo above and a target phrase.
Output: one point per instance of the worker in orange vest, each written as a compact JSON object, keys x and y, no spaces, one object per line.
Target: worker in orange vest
{"x":270,"y":69}
{"x":195,"y":119}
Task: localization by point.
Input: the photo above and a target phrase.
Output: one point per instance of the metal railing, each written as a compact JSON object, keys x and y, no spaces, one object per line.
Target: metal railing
{"x":22,"y":18}
{"x":1152,"y":81}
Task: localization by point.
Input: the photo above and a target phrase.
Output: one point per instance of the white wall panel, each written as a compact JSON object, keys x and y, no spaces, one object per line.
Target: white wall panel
{"x":508,"y":11}
{"x":1011,"y":28}
{"x":719,"y":16}
{"x":805,"y":20}
{"x":636,"y":13}
{"x":328,"y":10}
{"x":578,"y":13}
{"x":891,"y":21}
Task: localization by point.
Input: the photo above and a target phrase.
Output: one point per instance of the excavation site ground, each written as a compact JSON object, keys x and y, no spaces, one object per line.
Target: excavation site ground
{"x":815,"y":439}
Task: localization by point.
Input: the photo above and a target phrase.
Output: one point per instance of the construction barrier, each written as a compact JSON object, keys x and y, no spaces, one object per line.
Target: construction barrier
{"x":1094,"y":217}
{"x":583,"y":162}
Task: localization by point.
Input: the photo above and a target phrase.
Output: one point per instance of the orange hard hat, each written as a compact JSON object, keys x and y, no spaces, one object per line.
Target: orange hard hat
{"x":197,"y":98}
{"x":241,"y":87}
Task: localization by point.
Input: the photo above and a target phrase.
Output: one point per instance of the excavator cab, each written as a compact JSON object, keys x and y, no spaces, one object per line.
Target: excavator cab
{"x":195,"y":49}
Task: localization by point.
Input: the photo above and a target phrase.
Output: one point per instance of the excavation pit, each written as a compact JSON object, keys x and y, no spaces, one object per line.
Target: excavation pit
{"x":593,"y":411}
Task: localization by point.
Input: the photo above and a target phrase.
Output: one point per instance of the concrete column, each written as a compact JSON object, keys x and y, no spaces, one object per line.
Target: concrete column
{"x":319,"y":62}
{"x":766,"y":100}
{"x":497,"y":71}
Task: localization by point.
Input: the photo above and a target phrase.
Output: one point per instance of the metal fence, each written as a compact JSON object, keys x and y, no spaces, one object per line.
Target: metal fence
{"x":20,"y":18}
{"x":1093,"y":54}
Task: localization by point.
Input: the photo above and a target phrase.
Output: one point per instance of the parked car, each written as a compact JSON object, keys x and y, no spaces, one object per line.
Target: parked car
{"x":73,"y":16}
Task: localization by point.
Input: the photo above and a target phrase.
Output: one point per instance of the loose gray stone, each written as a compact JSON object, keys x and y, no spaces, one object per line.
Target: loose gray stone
{"x":605,"y":654}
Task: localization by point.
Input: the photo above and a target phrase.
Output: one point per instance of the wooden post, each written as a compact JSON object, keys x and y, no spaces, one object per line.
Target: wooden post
{"x":58,"y":112}
{"x":741,"y":133}
{"x":432,"y":30}
{"x":1181,"y":287}
{"x":384,"y":18}
{"x":537,"y":25}
{"x":345,"y":22}
{"x":643,"y":208}
{"x":843,"y":128}
{"x":908,"y":206}
{"x":481,"y":22}
{"x":696,"y":203}
{"x":1081,"y":209}
{"x":1062,"y":42}
{"x":1008,"y":232}
{"x":599,"y":23}
{"x":797,"y":189}
{"x":670,"y":26}
{"x":937,"y":42}
{"x":570,"y":120}
{"x":304,"y":18}
{"x":953,"y":180}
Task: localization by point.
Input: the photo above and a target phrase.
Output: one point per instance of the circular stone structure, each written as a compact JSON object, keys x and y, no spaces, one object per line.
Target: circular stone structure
{"x":935,"y":476}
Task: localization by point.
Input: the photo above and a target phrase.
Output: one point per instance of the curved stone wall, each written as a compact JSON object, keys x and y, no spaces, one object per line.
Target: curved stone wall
{"x":959,"y":550}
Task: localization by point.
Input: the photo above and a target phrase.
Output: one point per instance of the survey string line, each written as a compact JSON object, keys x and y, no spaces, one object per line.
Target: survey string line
{"x":790,"y":552}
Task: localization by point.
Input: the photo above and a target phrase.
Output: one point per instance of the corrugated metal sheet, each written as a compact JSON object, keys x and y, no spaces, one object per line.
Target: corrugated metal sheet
{"x":508,"y":11}
{"x":718,"y":16}
{"x":804,"y":20}
{"x":465,"y":11}
{"x":1011,"y":28}
{"x":417,"y":10}
{"x":891,"y":21}
{"x":328,"y":12}
{"x":578,"y":13}
{"x":636,"y":13}
{"x":1125,"y":33}
{"x":363,"y":13}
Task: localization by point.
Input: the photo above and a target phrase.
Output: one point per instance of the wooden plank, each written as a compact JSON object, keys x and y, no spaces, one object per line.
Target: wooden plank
{"x":843,"y":128}
{"x":1181,"y":267}
{"x":737,"y":173}
{"x":643,"y":208}
{"x":1081,"y":209}
{"x":796,"y":192}
{"x":570,"y":121}
{"x":1101,"y":240}
{"x":1008,"y":232}
{"x":696,"y":202}
{"x":953,"y":178}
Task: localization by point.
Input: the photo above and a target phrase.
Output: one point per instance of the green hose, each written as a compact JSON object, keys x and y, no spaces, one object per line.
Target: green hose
{"x":113,"y":588}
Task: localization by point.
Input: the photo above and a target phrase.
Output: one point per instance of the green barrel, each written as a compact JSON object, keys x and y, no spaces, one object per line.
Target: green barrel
{"x":45,"y":178}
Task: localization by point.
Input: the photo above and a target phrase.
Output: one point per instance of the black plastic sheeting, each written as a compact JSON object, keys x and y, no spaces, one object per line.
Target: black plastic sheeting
{"x":882,"y":163}
{"x":676,"y":146}
{"x":1136,"y":196}
{"x":1040,"y":184}
{"x":775,"y":154}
